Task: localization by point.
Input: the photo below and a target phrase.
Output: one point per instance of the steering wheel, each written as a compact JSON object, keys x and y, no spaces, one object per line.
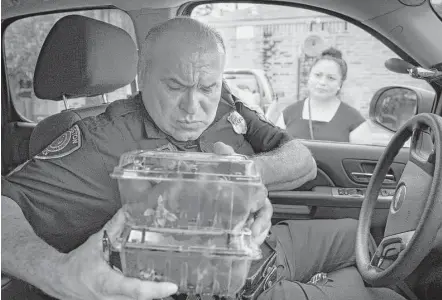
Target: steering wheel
{"x":415,"y":213}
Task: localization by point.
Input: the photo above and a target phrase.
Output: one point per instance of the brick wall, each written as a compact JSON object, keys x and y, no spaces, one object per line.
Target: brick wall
{"x":364,"y":54}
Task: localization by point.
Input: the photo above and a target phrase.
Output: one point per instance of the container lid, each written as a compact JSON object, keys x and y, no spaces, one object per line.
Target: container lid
{"x":219,"y":243}
{"x":167,"y":165}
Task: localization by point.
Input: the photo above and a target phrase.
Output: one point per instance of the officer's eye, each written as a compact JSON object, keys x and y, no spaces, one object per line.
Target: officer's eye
{"x":174,"y":85}
{"x":331,"y":78}
{"x":207,"y":89}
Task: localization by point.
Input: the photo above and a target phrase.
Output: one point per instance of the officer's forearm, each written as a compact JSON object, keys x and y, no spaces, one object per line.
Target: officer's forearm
{"x":286,"y":167}
{"x":24,"y":254}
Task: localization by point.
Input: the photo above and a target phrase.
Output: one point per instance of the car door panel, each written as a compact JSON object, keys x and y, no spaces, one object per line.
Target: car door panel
{"x":325,"y":203}
{"x":337,"y":192}
{"x":327,"y":197}
{"x":338,"y":160}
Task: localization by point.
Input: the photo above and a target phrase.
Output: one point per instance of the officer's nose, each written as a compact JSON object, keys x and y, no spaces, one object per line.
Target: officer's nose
{"x":189,"y":102}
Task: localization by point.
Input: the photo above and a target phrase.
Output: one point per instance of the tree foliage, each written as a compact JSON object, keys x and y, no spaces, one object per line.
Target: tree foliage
{"x":202,"y":10}
{"x":23,"y":41}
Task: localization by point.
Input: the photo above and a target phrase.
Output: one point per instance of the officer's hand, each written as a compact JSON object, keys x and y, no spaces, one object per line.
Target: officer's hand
{"x":223,"y":149}
{"x":262,"y":221}
{"x":87,"y":276}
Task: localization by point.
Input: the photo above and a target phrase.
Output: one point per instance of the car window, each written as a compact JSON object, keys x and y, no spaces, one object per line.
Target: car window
{"x":244,"y":81}
{"x":22,"y":42}
{"x":285,"y":43}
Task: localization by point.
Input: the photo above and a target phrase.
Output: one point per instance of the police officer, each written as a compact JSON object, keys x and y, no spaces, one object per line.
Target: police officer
{"x":56,"y":206}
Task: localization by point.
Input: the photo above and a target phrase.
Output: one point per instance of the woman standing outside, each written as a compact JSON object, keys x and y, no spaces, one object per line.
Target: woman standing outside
{"x":322,"y":115}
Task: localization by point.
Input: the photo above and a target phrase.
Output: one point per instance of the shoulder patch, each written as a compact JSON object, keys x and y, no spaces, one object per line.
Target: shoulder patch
{"x":124,"y":106}
{"x":65,"y":144}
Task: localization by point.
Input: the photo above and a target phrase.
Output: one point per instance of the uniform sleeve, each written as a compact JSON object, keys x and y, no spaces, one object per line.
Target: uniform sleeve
{"x":261,"y":134}
{"x":65,"y":192}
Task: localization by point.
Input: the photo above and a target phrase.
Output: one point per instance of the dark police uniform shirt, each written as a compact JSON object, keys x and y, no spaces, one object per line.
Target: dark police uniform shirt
{"x":66,"y":193}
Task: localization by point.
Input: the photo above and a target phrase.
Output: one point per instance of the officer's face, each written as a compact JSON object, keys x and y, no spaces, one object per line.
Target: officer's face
{"x":182,"y":89}
{"x":325,"y":79}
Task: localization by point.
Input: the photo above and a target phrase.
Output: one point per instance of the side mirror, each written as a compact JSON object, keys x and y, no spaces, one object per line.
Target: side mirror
{"x":391,"y":107}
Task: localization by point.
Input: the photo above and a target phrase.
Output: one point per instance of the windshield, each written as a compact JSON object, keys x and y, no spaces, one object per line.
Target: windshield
{"x":437,"y":5}
{"x":242,"y":81}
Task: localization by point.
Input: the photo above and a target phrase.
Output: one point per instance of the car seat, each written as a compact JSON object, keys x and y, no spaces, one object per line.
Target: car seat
{"x":81,"y":57}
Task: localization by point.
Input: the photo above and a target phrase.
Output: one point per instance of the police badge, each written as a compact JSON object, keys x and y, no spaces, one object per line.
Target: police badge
{"x":238,"y":123}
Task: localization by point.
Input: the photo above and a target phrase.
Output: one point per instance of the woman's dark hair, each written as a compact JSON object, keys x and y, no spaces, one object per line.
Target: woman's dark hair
{"x":335,"y":55}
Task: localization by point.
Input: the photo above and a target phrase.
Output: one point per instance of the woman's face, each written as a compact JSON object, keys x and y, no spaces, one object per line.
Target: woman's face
{"x":325,"y":79}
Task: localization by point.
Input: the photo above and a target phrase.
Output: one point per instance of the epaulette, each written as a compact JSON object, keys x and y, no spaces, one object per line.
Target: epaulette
{"x":125,"y":106}
{"x":238,"y":102}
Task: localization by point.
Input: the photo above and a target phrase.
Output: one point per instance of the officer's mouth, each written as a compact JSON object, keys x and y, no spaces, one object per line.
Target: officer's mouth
{"x":190,"y":124}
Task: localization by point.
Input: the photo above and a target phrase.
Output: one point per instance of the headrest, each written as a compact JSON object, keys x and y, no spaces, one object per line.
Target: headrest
{"x":84,"y":57}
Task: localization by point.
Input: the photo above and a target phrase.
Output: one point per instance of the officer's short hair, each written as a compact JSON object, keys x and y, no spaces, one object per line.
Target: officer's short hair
{"x":201,"y":30}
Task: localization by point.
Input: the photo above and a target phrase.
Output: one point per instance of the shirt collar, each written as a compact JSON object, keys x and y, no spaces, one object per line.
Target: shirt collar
{"x":151,"y":131}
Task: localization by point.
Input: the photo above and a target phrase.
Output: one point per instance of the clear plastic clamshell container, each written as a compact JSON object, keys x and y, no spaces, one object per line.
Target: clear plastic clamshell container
{"x":188,"y":215}
{"x":187,"y":190}
{"x":200,"y":262}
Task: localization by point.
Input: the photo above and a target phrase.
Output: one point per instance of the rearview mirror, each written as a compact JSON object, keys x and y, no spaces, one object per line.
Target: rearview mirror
{"x":392,"y":106}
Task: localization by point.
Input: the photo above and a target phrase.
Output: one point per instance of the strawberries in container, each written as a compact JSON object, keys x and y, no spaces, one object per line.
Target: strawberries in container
{"x":187,"y":219}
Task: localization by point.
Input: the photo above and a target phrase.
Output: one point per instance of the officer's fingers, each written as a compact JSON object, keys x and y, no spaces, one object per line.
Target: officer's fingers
{"x":258,"y":240}
{"x":263,"y":219}
{"x":115,"y":226}
{"x":259,"y":198}
{"x":115,"y":284}
{"x":223,"y":149}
